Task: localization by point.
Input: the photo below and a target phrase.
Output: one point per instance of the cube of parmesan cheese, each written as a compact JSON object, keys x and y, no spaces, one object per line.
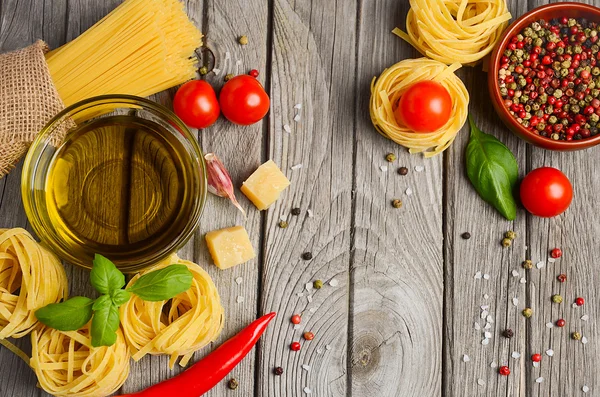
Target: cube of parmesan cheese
{"x":229,"y":247}
{"x":265,"y":185}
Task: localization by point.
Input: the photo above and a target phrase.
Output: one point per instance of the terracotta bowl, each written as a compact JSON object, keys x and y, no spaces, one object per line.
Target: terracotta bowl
{"x":547,"y":12}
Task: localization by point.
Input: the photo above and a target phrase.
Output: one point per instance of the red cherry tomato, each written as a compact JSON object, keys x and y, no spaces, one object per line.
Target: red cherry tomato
{"x":546,"y":192}
{"x":196,"y":104}
{"x":244,"y":100}
{"x":425,"y":107}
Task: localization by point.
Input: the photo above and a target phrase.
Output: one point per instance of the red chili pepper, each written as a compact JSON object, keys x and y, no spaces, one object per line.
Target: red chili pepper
{"x":206,"y":373}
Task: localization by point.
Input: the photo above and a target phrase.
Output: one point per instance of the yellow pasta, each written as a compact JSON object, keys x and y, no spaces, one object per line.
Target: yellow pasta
{"x":455,"y":31}
{"x":177,"y":327}
{"x":67,"y":365}
{"x":140,"y":48}
{"x":387,"y":89}
{"x":31,"y":277}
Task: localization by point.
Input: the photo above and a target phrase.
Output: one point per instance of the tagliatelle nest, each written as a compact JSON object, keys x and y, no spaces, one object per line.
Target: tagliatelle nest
{"x":387,"y":89}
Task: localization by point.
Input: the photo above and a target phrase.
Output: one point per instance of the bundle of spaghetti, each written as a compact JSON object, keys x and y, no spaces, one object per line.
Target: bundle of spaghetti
{"x":31,"y":277}
{"x":177,"y":327}
{"x":67,"y":365}
{"x":387,"y":89}
{"x":140,"y":48}
{"x":455,"y":31}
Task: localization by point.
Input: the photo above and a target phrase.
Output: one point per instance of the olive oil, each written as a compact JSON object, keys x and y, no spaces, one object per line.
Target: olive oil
{"x":120,"y":186}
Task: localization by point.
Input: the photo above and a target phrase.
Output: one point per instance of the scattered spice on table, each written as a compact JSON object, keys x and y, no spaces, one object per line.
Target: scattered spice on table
{"x":295,"y":346}
{"x":232,"y":384}
{"x":527,"y":264}
{"x":556,"y":298}
{"x":397,"y":203}
{"x":402,"y":171}
{"x":278,"y":371}
{"x":579,"y":301}
{"x":556,"y":253}
{"x":510,"y":235}
{"x":296,"y":319}
{"x":228,"y":77}
{"x":308,"y":336}
{"x":506,"y":242}
{"x":562,"y":277}
{"x":527,"y":312}
{"x":466,"y":235}
{"x":508,"y":333}
{"x":504,"y":370}
{"x":254,"y":73}
{"x":307,"y":256}
{"x":576,"y":335}
{"x":283,"y":224}
{"x":548,"y":78}
{"x":318,"y":284}
{"x":560,"y":322}
{"x":243,"y":40}
{"x":390,"y":157}
{"x":295,"y":211}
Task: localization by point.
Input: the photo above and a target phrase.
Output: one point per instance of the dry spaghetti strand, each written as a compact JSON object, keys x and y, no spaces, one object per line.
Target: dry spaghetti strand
{"x":177,"y":327}
{"x":67,"y":365}
{"x":455,"y":31}
{"x":140,"y":48}
{"x":387,"y":89}
{"x":31,"y":277}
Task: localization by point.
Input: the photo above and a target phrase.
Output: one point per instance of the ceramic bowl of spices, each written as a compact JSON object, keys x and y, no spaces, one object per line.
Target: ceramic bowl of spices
{"x":544,"y":76}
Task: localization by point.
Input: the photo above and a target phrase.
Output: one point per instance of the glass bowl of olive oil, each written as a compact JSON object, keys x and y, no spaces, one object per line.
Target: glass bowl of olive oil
{"x":116,"y":175}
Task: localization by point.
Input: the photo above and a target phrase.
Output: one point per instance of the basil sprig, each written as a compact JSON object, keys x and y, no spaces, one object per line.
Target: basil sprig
{"x":493,"y":171}
{"x":76,"y":312}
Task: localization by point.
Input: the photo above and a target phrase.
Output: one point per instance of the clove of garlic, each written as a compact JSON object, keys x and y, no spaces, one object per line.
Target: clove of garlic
{"x":219,"y":181}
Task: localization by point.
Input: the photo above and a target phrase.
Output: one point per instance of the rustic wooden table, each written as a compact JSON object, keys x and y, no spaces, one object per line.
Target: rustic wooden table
{"x":397,"y":312}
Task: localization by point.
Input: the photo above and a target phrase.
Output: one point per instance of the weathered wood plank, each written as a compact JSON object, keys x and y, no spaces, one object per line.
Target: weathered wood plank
{"x":313,"y":65}
{"x":398,"y":261}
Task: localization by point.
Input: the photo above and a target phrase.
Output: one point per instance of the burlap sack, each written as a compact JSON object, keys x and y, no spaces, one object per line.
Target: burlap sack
{"x":28,"y":99}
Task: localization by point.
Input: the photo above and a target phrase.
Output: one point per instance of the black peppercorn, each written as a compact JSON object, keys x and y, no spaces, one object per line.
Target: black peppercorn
{"x":278,"y":371}
{"x":466,"y":235}
{"x":508,"y":333}
{"x":296,"y":211}
{"x":403,"y":170}
{"x":307,"y":256}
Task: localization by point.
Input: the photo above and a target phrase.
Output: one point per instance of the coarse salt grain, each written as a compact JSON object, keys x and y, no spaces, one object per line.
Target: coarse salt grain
{"x":227,"y":55}
{"x":477,"y":275}
{"x":540,"y":264}
{"x":306,"y":367}
{"x":484,"y":314}
{"x":486,"y":276}
{"x":585,"y":317}
{"x":515,"y":273}
{"x":523,"y":280}
{"x":477,"y":326}
{"x":536,"y":364}
{"x":240,"y":299}
{"x":585,"y":389}
{"x":298,"y":106}
{"x":312,"y":309}
{"x":550,"y":325}
{"x":485,"y":307}
{"x":319,"y":351}
{"x":216,"y":71}
{"x":574,"y":305}
{"x":551,"y":259}
{"x":309,"y":298}
{"x":466,"y":358}
{"x":310,"y":213}
{"x":493,"y":364}
{"x":419,"y":168}
{"x":486,"y":341}
{"x":487,"y":326}
{"x":485,"y":296}
{"x":297,"y":117}
{"x":488,"y":335}
{"x":383,"y":168}
{"x":296,"y":167}
{"x":334,"y":282}
{"x":490,"y":319}
{"x":287,"y":128}
{"x":283,"y":217}
{"x":328,"y":347}
{"x":297,"y":326}
{"x":516,"y":354}
{"x":480,"y":382}
{"x":239,"y":280}
{"x":408,"y":191}
{"x":539,"y":380}
{"x":300,"y":294}
{"x":584,"y":340}
{"x":515,"y":301}
{"x":549,"y":352}
{"x":307,"y":390}
{"x":308,"y":286}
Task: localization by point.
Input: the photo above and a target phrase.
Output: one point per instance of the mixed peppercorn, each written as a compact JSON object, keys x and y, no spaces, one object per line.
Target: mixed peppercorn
{"x":549,"y":80}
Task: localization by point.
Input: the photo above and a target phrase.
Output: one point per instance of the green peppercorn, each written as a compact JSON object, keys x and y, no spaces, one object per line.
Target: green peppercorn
{"x":228,"y":77}
{"x":552,"y":119}
{"x":243,"y":40}
{"x":396,"y":203}
{"x":558,"y":93}
{"x":555,"y":136}
{"x":564,"y":72}
{"x":527,"y":264}
{"x":527,"y":312}
{"x":317,"y":284}
{"x":560,"y":51}
{"x":576,"y":336}
{"x":506,"y":242}
{"x":556,"y":298}
{"x":503,"y":91}
{"x":510,"y":235}
{"x":594,"y":118}
{"x":571,"y":22}
{"x":283,"y":224}
{"x":232,"y":384}
{"x":390,"y":157}
{"x":203,"y":71}
{"x":538,"y":42}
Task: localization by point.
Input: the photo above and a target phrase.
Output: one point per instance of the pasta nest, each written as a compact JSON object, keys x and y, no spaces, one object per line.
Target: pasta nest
{"x":387,"y":89}
{"x":31,"y":277}
{"x":455,"y":31}
{"x":67,"y":365}
{"x":179,"y":326}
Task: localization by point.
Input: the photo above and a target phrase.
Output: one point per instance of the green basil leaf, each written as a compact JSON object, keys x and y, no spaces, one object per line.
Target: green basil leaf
{"x":493,"y":171}
{"x":105,"y":277}
{"x":102,"y":302}
{"x":120,"y":297}
{"x":163,"y":284}
{"x":105,"y":324}
{"x":69,"y":315}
